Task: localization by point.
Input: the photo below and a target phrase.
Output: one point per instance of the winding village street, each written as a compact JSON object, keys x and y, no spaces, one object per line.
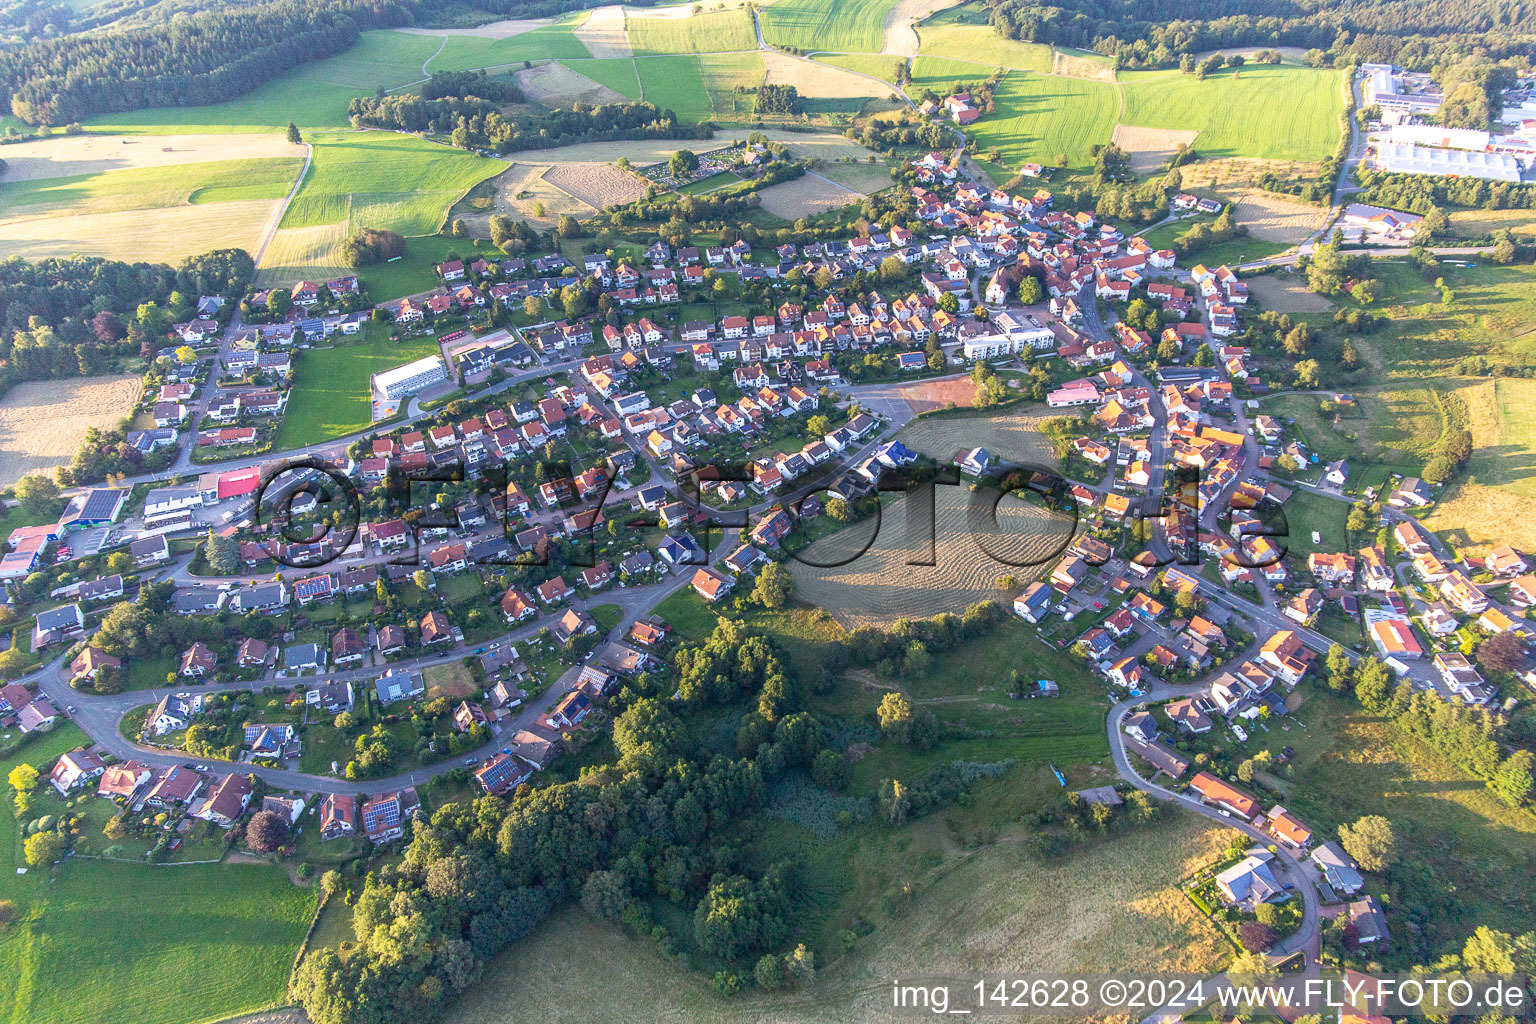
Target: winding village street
{"x":100,"y":716}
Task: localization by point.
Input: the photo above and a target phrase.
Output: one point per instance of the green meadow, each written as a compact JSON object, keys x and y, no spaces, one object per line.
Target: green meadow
{"x":384,"y":180}
{"x":1260,"y":111}
{"x":463,"y":53}
{"x":330,"y":396}
{"x":830,"y":25}
{"x":705,"y":32}
{"x":148,"y":188}
{"x":117,"y":943}
{"x":1040,"y":116}
{"x":617,"y":73}
{"x":312,"y":96}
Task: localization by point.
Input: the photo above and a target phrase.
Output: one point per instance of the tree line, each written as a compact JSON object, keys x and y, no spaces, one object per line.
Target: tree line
{"x":78,"y":315}
{"x":1141,"y":34}
{"x":474,"y":121}
{"x":180,"y":55}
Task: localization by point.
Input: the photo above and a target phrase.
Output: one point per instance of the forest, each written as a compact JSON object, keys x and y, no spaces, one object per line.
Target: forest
{"x":191,"y":57}
{"x":77,"y":315}
{"x":655,"y":827}
{"x":1155,"y":33}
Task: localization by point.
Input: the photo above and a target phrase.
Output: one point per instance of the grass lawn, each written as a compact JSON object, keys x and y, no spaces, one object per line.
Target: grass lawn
{"x":1232,"y":252}
{"x":963,"y":33}
{"x":147,"y":675}
{"x":676,"y":84}
{"x":460,"y":587}
{"x":330,"y":396}
{"x":618,"y":74}
{"x":1305,"y":513}
{"x":1040,"y":116}
{"x":148,"y":188}
{"x":1260,"y":111}
{"x":1350,"y":764}
{"x":607,"y":616}
{"x":827,"y":25}
{"x":312,"y":96}
{"x":690,"y":618}
{"x":117,"y":943}
{"x":451,"y":679}
{"x":415,"y":272}
{"x":384,"y":180}
{"x":705,"y":32}
{"x":709,"y":184}
{"x":14,"y":517}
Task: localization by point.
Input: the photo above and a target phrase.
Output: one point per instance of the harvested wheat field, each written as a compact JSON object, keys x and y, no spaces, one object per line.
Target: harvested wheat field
{"x":1287,"y":293}
{"x":556,"y":85}
{"x":1009,"y":434}
{"x":814,"y":145}
{"x":165,"y":235}
{"x":805,"y":196}
{"x":72,"y":155}
{"x":522,"y":191}
{"x":603,"y":32}
{"x":1115,"y":907}
{"x":505,"y":29}
{"x":1274,"y":218}
{"x":820,"y":81}
{"x":1238,"y":173}
{"x":299,"y":253}
{"x":1071,"y":66}
{"x":1150,"y":148}
{"x":939,"y":394}
{"x":43,"y":422}
{"x":598,"y":185}
{"x":878,"y":586}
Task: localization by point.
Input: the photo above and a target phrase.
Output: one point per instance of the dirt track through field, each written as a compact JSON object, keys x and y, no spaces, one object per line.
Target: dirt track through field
{"x":900,"y":24}
{"x":72,"y":155}
{"x":556,"y":85}
{"x":604,"y":34}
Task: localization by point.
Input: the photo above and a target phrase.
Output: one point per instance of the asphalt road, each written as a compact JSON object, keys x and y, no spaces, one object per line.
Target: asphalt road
{"x":1292,"y":865}
{"x":99,"y":716}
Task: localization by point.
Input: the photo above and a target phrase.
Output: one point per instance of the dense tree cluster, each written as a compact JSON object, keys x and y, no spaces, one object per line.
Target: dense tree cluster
{"x":1419,"y":193}
{"x":777,"y":99}
{"x":77,"y":315}
{"x":196,"y":58}
{"x":1470,"y":738}
{"x":1139,"y":33}
{"x":371,"y":245}
{"x":476,"y":122}
{"x":481,"y":875}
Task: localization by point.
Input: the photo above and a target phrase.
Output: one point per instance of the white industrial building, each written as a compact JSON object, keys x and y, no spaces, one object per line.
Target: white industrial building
{"x":411,"y":378}
{"x":1404,"y":159}
{"x":1442,"y":138}
{"x":1398,"y":93}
